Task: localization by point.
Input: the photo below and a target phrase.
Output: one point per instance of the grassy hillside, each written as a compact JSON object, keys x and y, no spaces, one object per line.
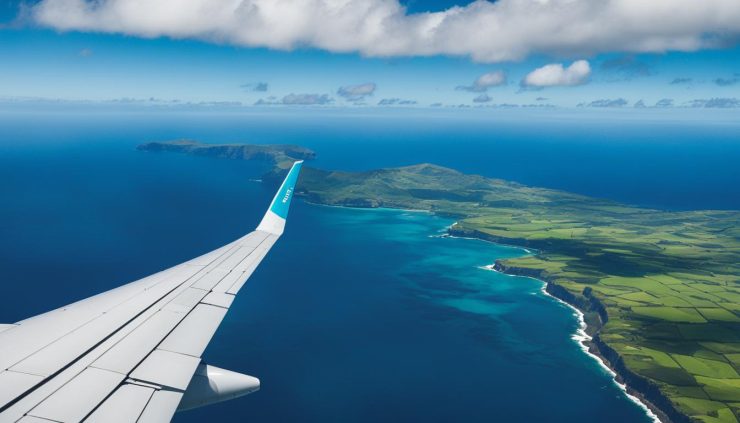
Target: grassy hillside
{"x":669,"y":281}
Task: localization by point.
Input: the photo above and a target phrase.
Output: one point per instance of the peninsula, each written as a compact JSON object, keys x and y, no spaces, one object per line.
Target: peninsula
{"x":281,"y":156}
{"x":660,"y":290}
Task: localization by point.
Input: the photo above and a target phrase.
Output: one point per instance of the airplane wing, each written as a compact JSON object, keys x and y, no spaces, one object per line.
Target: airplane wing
{"x":133,"y":354}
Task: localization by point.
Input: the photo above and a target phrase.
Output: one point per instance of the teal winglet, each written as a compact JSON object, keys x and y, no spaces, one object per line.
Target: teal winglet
{"x":281,"y":202}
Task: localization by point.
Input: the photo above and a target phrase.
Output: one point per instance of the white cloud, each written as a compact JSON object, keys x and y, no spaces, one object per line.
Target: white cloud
{"x":555,"y":74}
{"x":719,"y":103}
{"x":296,"y":100}
{"x":486,"y":31}
{"x":485,"y":81}
{"x":606,"y":102}
{"x":490,"y":79}
{"x":396,"y":102}
{"x":483,"y":98}
{"x":255,"y":86}
{"x":306,"y":99}
{"x":357,"y":92}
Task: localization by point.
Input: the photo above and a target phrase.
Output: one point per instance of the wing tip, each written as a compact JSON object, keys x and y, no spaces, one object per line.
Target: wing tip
{"x":274,"y":220}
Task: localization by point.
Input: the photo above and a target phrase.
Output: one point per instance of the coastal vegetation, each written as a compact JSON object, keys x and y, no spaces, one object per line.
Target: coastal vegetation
{"x":660,"y":290}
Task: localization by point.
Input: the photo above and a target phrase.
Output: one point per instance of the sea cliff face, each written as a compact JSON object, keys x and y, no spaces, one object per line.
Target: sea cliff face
{"x":595,"y":316}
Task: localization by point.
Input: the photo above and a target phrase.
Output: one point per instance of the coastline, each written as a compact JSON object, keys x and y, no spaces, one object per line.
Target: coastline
{"x":367,"y":208}
{"x":584,"y":339}
{"x":528,"y":250}
{"x":637,"y":389}
{"x":647,"y":392}
{"x":586,"y":342}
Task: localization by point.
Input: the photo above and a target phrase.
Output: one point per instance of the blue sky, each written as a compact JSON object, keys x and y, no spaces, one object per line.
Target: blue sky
{"x":39,"y":61}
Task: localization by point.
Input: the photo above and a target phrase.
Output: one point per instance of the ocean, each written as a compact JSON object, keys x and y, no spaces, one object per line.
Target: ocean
{"x":356,"y":315}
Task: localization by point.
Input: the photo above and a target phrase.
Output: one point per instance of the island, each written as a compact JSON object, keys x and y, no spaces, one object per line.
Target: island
{"x":659,"y":290}
{"x":281,"y":156}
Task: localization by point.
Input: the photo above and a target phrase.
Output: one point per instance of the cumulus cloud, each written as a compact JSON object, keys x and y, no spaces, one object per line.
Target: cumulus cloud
{"x":256,"y":87}
{"x":640,"y":104}
{"x":606,"y":102}
{"x":483,"y":98}
{"x":681,"y":81}
{"x":666,"y":102}
{"x":296,"y":100}
{"x":486,"y":31}
{"x":357,"y":92}
{"x":484,"y":82}
{"x":396,"y":102}
{"x":556,"y":74}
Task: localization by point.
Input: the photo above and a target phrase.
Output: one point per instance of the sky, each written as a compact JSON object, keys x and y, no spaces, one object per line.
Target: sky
{"x":667,"y":54}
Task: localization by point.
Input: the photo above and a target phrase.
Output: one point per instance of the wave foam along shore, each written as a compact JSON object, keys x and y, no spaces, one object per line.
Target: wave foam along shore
{"x":582,"y":338}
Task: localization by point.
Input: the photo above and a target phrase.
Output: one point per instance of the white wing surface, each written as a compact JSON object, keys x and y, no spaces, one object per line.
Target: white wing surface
{"x":130,"y":354}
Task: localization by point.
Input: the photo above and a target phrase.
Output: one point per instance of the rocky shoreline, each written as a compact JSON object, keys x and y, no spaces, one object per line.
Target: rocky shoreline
{"x":595,"y":316}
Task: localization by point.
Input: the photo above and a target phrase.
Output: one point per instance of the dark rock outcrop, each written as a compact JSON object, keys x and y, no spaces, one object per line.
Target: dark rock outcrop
{"x":647,"y":391}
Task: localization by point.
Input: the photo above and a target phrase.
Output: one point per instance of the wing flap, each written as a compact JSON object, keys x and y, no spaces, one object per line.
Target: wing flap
{"x":116,"y":408}
{"x":13,"y":384}
{"x":161,"y":407}
{"x":27,"y":400}
{"x":210,"y":279}
{"x":219,"y":299}
{"x":186,"y":300}
{"x":167,"y":368}
{"x":132,"y":349}
{"x":194,"y":333}
{"x":78,"y":398}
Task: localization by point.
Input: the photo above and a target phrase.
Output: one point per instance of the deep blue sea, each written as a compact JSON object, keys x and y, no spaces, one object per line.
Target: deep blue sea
{"x":355,"y":315}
